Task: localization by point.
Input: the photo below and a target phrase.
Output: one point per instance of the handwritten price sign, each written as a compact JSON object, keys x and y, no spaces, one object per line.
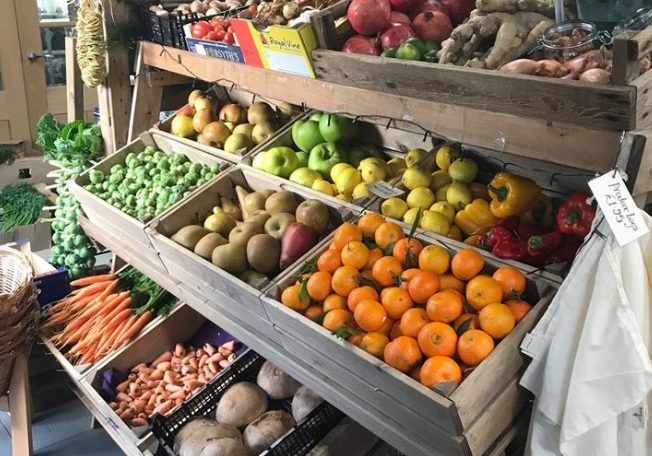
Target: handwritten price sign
{"x":618,"y":206}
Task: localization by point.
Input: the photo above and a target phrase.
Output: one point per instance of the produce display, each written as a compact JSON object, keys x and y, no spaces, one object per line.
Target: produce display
{"x":216,"y":29}
{"x":149,"y":182}
{"x":417,"y":307}
{"x":20,"y":204}
{"x":332,"y":159}
{"x":166,"y":382}
{"x":263,"y":233}
{"x":290,"y":13}
{"x":200,"y":8}
{"x":264,"y":411}
{"x":231,"y":127}
{"x":71,"y":147}
{"x":103,"y":313}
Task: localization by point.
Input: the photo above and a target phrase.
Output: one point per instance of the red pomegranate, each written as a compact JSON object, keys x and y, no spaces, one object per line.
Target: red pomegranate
{"x":430,"y":5}
{"x":396,"y":17}
{"x":368,"y":17}
{"x":458,"y":10}
{"x":405,"y":6}
{"x":360,"y":44}
{"x":432,"y":26}
{"x":395,"y":35}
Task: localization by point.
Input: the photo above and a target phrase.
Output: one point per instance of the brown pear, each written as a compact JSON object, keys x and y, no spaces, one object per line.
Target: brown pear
{"x":263,"y":253}
{"x":253,"y":202}
{"x":230,"y":208}
{"x":201,"y":119}
{"x":283,"y":201}
{"x":259,"y":218}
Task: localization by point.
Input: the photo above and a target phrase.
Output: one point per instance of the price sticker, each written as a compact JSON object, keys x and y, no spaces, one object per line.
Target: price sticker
{"x":618,"y":206}
{"x":384,"y":190}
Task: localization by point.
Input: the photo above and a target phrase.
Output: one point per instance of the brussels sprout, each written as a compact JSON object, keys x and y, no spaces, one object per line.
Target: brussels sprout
{"x":96,"y":176}
{"x":215,"y":168}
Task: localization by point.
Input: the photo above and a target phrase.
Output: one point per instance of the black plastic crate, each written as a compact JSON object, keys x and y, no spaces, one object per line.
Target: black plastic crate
{"x":297,"y":442}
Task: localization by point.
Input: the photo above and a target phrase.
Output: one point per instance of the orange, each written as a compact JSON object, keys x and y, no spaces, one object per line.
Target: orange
{"x":387,"y":326}
{"x":345,"y":233}
{"x":355,"y":254}
{"x":356,"y":338}
{"x":374,"y":255}
{"x":440,"y":369}
{"x":329,"y":261}
{"x":396,"y":330}
{"x":482,"y":290}
{"x":374,"y":343}
{"x":412,"y":321}
{"x":403,"y":353}
{"x":360,"y":293}
{"x":388,"y":233}
{"x":472,"y":319}
{"x":406,"y":250}
{"x":368,"y":224}
{"x":473,"y":346}
{"x":435,"y":259}
{"x":423,"y":285}
{"x":445,"y":306}
{"x":334,"y":301}
{"x":370,"y":315}
{"x":314,"y":312}
{"x":291,"y":297}
{"x":387,"y":271}
{"x":366,"y":274}
{"x":466,"y":264}
{"x":319,"y":285}
{"x":336,"y":319}
{"x":415,"y":373}
{"x":519,"y":308}
{"x":437,"y":338}
{"x":511,"y":279}
{"x":497,"y":320}
{"x":450,"y":282}
{"x":406,"y":276}
{"x":395,"y":301}
{"x":345,"y":280}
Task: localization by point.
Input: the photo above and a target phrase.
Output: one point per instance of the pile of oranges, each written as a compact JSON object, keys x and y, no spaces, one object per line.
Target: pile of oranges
{"x":411,"y":305}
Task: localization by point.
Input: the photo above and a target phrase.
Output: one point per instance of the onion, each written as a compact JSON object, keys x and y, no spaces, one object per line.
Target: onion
{"x":521,"y":66}
{"x":596,"y":76}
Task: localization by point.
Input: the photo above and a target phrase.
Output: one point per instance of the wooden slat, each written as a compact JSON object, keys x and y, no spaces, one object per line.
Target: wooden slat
{"x":20,"y":408}
{"x":163,"y":78}
{"x":5,"y":130}
{"x":146,"y":101}
{"x":565,"y":144}
{"x":625,"y":65}
{"x":74,"y":86}
{"x":324,"y":24}
{"x":643,"y":86}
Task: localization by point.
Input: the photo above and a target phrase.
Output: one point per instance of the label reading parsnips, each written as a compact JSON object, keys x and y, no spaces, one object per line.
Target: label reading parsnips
{"x":384,"y":190}
{"x":618,"y":206}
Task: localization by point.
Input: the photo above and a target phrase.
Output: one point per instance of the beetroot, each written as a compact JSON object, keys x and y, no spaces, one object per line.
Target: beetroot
{"x":360,"y":44}
{"x":395,"y":35}
{"x":458,"y":10}
{"x":396,"y":17}
{"x":405,"y":6}
{"x":368,"y":17}
{"x":432,"y":26}
{"x":430,"y":5}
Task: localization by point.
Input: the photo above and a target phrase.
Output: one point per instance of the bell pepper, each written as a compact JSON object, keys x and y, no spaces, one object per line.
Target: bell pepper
{"x":475,"y":217}
{"x":566,"y":251}
{"x":526,"y":230}
{"x":511,"y":194}
{"x":509,"y":223}
{"x":541,"y":246}
{"x":575,"y":216}
{"x":504,"y":244}
{"x":542,"y":212}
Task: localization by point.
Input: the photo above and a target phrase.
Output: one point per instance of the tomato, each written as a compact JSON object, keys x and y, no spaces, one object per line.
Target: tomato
{"x":253,"y":9}
{"x":199,"y":29}
{"x":228,"y":38}
{"x":218,"y":28}
{"x":216,"y":21}
{"x":212,"y":35}
{"x":229,"y":29}
{"x":220,"y":35}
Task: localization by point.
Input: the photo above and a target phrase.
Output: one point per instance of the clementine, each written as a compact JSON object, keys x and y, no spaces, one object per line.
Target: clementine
{"x":336,"y":319}
{"x":355,"y":254}
{"x":445,"y":306}
{"x":497,"y":320}
{"x":368,"y":224}
{"x":482,"y":290}
{"x":440,"y":369}
{"x":474,"y":346}
{"x":519,"y":308}
{"x":511,"y":279}
{"x":437,"y":338}
{"x":345,"y":233}
{"x":395,"y":301}
{"x":435,"y":259}
{"x":450,"y":282}
{"x":388,"y":233}
{"x":319,"y":285}
{"x":293,"y":298}
{"x":334,"y":301}
{"x":412,"y":321}
{"x":406,"y":250}
{"x":466,"y":264}
{"x":370,"y":315}
{"x":360,"y":293}
{"x":345,"y":280}
{"x":402,"y":353}
{"x":423,"y":285}
{"x":329,"y":261}
{"x":387,"y":271}
{"x":374,"y":343}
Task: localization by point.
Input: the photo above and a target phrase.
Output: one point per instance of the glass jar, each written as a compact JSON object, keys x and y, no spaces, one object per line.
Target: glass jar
{"x":566,"y":41}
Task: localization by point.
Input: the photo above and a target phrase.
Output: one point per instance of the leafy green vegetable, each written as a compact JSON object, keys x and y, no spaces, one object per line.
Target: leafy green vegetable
{"x":76,"y":143}
{"x":20,"y":204}
{"x":7,"y":156}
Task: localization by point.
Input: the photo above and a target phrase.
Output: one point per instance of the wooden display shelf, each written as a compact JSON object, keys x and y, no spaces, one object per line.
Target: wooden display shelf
{"x":476,"y":124}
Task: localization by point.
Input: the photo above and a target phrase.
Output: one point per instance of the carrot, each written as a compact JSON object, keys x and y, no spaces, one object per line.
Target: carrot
{"x":109,"y":289}
{"x":111,"y":302}
{"x":84,"y":281}
{"x":94,"y":288}
{"x":105,"y":348}
{"x":80,"y":304}
{"x":132,"y":328}
{"x":118,"y":306}
{"x":122,"y":315}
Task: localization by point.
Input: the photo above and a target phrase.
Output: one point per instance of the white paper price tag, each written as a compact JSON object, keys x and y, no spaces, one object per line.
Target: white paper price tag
{"x":618,"y":206}
{"x":384,"y":190}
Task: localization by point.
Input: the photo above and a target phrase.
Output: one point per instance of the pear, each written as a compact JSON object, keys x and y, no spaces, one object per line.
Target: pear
{"x":263,"y":253}
{"x":258,"y":218}
{"x":283,"y":201}
{"x":241,"y":193}
{"x":189,"y":236}
{"x":266,"y":192}
{"x":230,"y":257}
{"x":231,"y":209}
{"x":260,"y":112}
{"x":207,"y":244}
{"x":243,"y":232}
{"x":253,"y":202}
{"x":414,"y":177}
{"x":219,"y":222}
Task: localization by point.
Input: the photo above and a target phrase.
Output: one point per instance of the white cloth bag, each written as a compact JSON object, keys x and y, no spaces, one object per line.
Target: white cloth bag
{"x":592,"y":373}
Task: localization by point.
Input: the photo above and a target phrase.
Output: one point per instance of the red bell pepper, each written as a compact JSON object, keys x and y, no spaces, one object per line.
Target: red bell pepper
{"x":510,"y":223}
{"x":565,"y":253}
{"x":528,"y":229}
{"x":575,"y":216}
{"x":540,"y":247}
{"x":504,"y":244}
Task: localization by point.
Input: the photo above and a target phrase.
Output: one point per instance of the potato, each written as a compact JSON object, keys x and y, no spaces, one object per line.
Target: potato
{"x":241,"y":404}
{"x":276,"y":383}
{"x":224,"y":447}
{"x":192,"y":443}
{"x":266,"y":430}
{"x":304,"y":402}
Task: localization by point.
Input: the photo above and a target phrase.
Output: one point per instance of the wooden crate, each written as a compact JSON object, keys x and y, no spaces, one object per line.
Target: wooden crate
{"x":206,"y":278}
{"x":223,"y":95}
{"x":125,"y":227}
{"x":622,"y":105}
{"x":448,"y":424}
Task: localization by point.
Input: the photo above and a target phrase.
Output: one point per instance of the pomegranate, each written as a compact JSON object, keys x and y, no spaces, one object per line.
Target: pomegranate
{"x":396,"y":17}
{"x":360,"y":44}
{"x":395,"y":35}
{"x":405,"y":6}
{"x":432,"y":26}
{"x":458,"y":10}
{"x":368,"y":17}
{"x":430,"y":5}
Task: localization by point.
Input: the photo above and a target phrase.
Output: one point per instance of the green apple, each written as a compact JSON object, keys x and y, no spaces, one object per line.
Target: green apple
{"x":258,"y":160}
{"x":304,"y":176}
{"x":316,"y":117}
{"x":305,"y":134}
{"x":464,"y":170}
{"x":324,"y":156}
{"x":335,"y":128}
{"x":280,"y":161}
{"x":359,"y":152}
{"x":303,"y":159}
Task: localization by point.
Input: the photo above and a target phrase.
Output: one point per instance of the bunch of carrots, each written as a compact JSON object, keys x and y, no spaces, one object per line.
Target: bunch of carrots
{"x":105,"y":312}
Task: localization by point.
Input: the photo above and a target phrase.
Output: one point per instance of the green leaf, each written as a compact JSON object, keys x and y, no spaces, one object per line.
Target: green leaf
{"x":344,"y":332}
{"x":464,"y":326}
{"x":303,"y":291}
{"x":370,"y":244}
{"x":366,"y":281}
{"x":415,"y":225}
{"x":309,"y":267}
{"x":389,"y":249}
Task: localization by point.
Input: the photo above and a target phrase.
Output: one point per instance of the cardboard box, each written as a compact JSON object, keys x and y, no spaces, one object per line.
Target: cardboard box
{"x":38,"y":234}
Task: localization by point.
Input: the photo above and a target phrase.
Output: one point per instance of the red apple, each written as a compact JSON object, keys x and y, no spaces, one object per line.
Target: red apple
{"x":396,"y":17}
{"x":187,"y":110}
{"x":360,"y":44}
{"x":405,"y":6}
{"x":458,"y":10}
{"x":432,"y":26}
{"x":395,"y":35}
{"x":368,"y":17}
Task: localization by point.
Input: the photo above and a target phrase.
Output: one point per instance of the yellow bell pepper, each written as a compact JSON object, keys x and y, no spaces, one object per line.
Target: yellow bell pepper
{"x":475,"y":217}
{"x":512,"y":195}
{"x":541,"y":212}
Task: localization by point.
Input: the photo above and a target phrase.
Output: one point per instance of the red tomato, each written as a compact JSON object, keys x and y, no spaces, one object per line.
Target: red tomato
{"x":253,"y":9}
{"x":229,"y":29}
{"x":212,"y":35}
{"x":218,"y":28}
{"x":220,"y":35}
{"x":200,"y":28}
{"x":216,"y":21}
{"x":228,"y":38}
